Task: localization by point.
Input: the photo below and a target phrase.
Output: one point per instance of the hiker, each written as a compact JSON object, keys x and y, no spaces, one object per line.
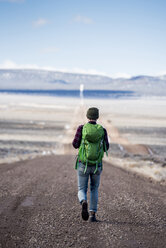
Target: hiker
{"x":92,"y":141}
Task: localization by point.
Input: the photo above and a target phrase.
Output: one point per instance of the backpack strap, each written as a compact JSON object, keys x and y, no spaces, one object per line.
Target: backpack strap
{"x":83,"y":146}
{"x":96,"y":167}
{"x":86,"y":165}
{"x":78,"y":156}
{"x":77,"y":162}
{"x":97,"y":162}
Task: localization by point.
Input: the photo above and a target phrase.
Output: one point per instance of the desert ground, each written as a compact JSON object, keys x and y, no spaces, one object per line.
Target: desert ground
{"x":33,"y":126}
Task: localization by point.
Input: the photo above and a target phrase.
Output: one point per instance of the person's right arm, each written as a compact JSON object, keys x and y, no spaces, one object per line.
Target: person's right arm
{"x":106,"y":140}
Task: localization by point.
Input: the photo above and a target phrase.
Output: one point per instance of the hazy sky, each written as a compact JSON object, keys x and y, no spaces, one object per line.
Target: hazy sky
{"x":113,"y":37}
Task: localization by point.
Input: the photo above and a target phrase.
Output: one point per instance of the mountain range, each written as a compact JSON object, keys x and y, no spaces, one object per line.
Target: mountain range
{"x":26,"y":79}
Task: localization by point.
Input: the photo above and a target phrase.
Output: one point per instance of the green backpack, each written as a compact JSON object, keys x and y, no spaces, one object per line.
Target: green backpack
{"x":92,"y":145}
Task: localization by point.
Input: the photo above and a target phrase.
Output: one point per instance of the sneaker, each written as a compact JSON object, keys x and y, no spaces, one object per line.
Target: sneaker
{"x":85,"y":214}
{"x":92,"y":218}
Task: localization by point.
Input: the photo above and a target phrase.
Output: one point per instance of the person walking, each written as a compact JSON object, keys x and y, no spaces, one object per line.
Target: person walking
{"x":92,"y":141}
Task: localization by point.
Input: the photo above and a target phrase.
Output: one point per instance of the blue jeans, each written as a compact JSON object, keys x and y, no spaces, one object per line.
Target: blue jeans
{"x":94,"y":184}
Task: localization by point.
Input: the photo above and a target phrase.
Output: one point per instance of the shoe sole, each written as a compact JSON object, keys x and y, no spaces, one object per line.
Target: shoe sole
{"x":85,"y":214}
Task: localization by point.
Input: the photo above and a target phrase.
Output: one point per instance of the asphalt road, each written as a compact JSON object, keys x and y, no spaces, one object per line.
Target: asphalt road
{"x":39,"y":207}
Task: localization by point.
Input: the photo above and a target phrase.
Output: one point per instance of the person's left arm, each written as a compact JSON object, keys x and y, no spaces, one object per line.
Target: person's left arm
{"x":78,"y":136}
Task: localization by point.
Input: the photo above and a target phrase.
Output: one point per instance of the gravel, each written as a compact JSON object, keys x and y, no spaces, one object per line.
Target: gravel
{"x":39,"y":207}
